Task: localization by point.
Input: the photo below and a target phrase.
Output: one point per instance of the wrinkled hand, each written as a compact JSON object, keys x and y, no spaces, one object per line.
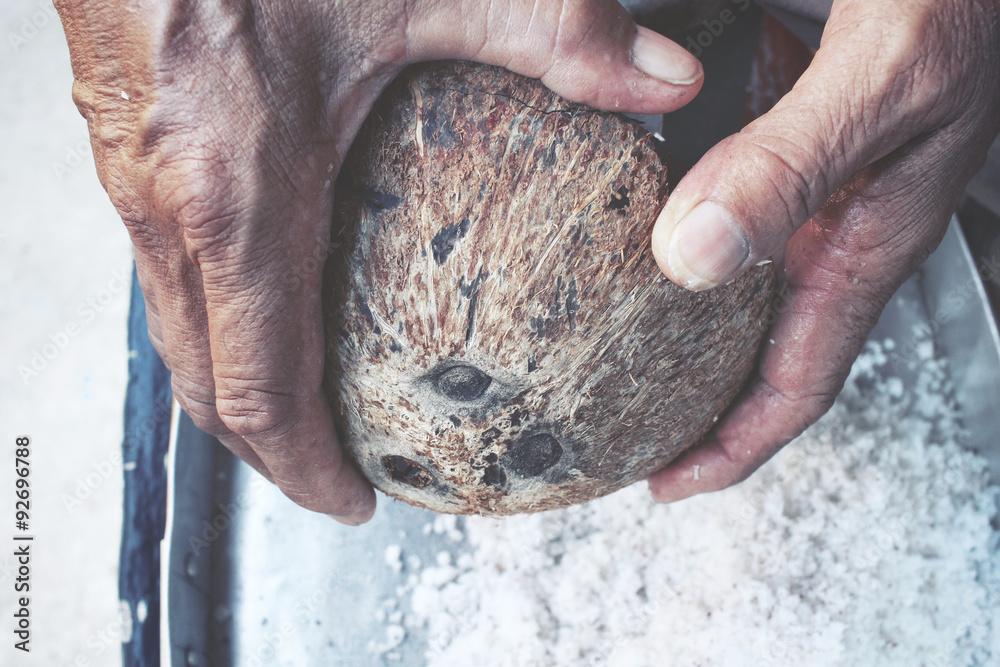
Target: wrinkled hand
{"x":849,"y":183}
{"x":218,"y":129}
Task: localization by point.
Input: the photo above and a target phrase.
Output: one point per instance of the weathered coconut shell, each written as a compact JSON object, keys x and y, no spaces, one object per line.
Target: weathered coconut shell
{"x":500,"y":339}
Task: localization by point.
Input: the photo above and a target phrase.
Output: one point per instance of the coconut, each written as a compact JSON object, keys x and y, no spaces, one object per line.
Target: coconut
{"x":499,"y":338}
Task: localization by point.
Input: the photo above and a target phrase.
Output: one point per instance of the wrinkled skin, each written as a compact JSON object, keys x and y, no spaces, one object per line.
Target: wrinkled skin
{"x":218,"y":130}
{"x":849,"y":182}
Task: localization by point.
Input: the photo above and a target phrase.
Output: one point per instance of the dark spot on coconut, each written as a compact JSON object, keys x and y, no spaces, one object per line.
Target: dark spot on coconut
{"x":438,"y":129}
{"x":455,"y":420}
{"x":537,"y":324}
{"x":380,"y":201}
{"x":471,"y":288}
{"x":535,"y":454}
{"x":367,"y":312}
{"x":549,"y":158}
{"x":463,"y":383}
{"x":516,"y":416}
{"x":470,"y":328}
{"x":471,"y":292}
{"x":572,"y":304}
{"x":444,"y":241}
{"x":556,"y":304}
{"x":395,"y":346}
{"x":402,"y":469}
{"x":490,"y":435}
{"x":491,"y":458}
{"x":532,"y":365}
{"x":619,"y":201}
{"x":494,"y":476}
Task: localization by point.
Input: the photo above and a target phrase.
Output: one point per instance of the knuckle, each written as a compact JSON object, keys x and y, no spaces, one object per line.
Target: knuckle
{"x":195,"y":189}
{"x":252,"y":411}
{"x":809,"y":401}
{"x":199,"y":404}
{"x":788,"y":168}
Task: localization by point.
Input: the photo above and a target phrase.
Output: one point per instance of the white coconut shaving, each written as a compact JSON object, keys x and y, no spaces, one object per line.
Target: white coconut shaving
{"x":867,"y":541}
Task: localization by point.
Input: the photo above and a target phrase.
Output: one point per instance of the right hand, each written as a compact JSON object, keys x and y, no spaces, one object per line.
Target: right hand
{"x":218,"y":129}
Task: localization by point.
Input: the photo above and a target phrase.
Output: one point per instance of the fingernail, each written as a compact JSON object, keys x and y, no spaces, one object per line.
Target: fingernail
{"x":706,"y":247}
{"x":663,"y":59}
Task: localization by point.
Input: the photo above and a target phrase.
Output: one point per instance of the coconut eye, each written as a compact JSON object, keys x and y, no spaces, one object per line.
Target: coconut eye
{"x":535,"y":454}
{"x":402,"y":469}
{"x":463,"y":383}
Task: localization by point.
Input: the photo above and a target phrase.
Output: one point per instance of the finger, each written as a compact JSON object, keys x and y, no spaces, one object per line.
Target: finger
{"x":854,"y":104}
{"x":841,"y":269}
{"x":175,"y":313}
{"x":181,"y":339}
{"x":264,"y":331}
{"x":589,"y":51}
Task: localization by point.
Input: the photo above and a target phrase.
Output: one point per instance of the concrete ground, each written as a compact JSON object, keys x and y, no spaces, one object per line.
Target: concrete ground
{"x":64,"y":261}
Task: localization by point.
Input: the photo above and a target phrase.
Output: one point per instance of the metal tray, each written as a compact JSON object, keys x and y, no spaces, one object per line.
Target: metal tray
{"x":250,"y":579}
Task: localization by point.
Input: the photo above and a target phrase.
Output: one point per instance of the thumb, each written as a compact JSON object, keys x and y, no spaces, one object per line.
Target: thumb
{"x":588,"y":51}
{"x":746,"y":197}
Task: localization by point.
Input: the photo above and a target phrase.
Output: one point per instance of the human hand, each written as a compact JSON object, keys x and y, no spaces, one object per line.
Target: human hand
{"x":849,"y":183}
{"x":218,"y":129}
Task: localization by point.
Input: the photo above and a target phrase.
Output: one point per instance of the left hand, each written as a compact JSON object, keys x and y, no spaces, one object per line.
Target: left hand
{"x":218,"y":130}
{"x":849,"y":183}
